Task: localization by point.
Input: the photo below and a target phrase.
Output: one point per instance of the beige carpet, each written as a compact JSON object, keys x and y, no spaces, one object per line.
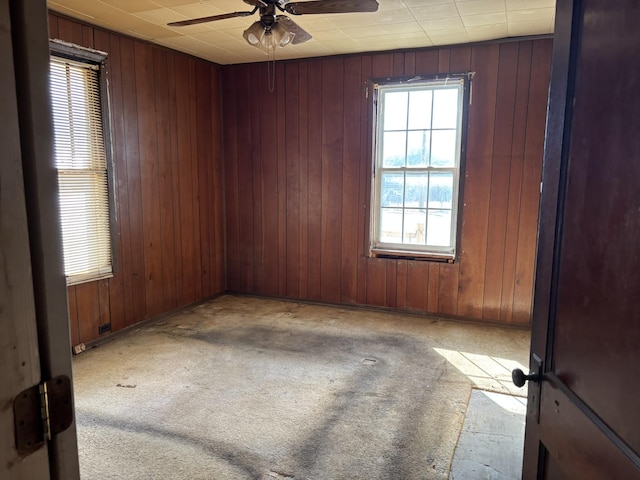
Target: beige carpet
{"x":249,"y":388}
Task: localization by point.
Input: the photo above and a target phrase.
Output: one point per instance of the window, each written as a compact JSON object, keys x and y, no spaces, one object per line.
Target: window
{"x":81,"y":159}
{"x":416,"y":179}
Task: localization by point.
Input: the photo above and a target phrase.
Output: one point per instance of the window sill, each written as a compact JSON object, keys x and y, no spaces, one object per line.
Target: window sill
{"x":79,"y":279}
{"x":417,"y":256}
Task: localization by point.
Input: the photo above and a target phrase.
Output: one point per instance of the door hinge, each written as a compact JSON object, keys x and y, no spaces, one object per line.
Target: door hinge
{"x":40,"y":412}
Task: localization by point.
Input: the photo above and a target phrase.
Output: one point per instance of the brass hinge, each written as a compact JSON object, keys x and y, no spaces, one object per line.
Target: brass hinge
{"x":41,"y":412}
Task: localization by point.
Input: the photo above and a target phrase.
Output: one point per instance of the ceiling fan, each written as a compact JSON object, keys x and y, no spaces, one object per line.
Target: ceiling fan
{"x":273,"y":30}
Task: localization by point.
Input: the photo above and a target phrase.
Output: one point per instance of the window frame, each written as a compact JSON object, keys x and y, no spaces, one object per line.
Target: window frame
{"x":76,"y":53}
{"x":409,"y":251}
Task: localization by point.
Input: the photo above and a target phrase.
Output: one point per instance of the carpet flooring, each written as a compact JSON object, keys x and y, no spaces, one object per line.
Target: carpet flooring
{"x":252,"y":388}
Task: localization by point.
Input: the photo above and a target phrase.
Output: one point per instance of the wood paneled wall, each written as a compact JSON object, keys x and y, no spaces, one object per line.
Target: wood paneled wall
{"x":297,"y":182}
{"x":166,"y":137}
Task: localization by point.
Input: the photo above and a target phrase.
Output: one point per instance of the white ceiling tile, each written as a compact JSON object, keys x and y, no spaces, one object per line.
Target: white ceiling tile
{"x":528,"y":4}
{"x":337,"y":45}
{"x":171,"y":3}
{"x":477,"y":7}
{"x":131,"y":5}
{"x":198,"y":10}
{"x":393,"y":29}
{"x":424,"y":3}
{"x":434,"y":12}
{"x":366,"y":19}
{"x":485,"y":19}
{"x":390,"y":5}
{"x":449,"y":37}
{"x":397,"y":24}
{"x":451,"y":23}
{"x":487,"y":32}
{"x":530,"y":15}
{"x":536,"y":27}
{"x":67,"y":10}
{"x":214,"y":37}
{"x":330,"y":35}
{"x":318,"y":23}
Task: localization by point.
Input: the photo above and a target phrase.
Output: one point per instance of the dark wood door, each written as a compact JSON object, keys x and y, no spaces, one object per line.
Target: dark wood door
{"x":583,"y":417}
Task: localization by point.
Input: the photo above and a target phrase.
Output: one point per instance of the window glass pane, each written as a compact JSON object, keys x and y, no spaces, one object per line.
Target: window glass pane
{"x":420,"y":109}
{"x":418,"y":148}
{"x":394,"y":146}
{"x":441,"y":190}
{"x":414,"y":226}
{"x":416,"y":172}
{"x":445,"y":108}
{"x":443,"y":148}
{"x":416,"y":191}
{"x":391,"y":225}
{"x":439,"y":228}
{"x":392,"y":189}
{"x":395,"y":110}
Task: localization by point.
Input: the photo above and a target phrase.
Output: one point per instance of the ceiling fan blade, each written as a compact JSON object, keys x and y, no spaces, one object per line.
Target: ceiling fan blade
{"x":255,"y":3}
{"x":212,"y":18}
{"x":331,"y":6}
{"x":289,"y":25}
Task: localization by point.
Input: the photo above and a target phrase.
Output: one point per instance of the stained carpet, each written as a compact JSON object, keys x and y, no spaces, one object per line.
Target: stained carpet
{"x":250,"y":388}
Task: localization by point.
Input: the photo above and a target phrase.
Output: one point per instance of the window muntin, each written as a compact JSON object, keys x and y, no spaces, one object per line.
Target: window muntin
{"x":81,"y":160}
{"x":417,"y":167}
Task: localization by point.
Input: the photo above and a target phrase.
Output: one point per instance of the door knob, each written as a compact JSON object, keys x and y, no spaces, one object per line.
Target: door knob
{"x":519,"y":378}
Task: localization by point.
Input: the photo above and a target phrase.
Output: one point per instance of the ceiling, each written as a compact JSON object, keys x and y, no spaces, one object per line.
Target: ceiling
{"x":398,"y":24}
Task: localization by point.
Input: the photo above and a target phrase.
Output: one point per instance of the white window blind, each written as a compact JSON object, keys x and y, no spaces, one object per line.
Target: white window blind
{"x":82,"y":169}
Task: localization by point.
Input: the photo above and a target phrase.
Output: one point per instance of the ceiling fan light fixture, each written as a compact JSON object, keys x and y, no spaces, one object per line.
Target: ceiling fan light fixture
{"x":281,"y":36}
{"x":255,"y":34}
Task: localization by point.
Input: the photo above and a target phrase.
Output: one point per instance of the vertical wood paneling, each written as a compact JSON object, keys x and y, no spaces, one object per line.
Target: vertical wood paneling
{"x":401,"y":284}
{"x":131,"y":146}
{"x":500,"y":172}
{"x":364,"y":174}
{"x":314,"y":185}
{"x":352,"y":93}
{"x":53,"y":26}
{"x":187,"y":218}
{"x":216,"y":186}
{"x":515,"y":180}
{"x":268,"y":152}
{"x":417,"y":282}
{"x":121,"y":284}
{"x":165,"y":180}
{"x":332,"y":176}
{"x":478,"y":169}
{"x":73,"y":315}
{"x":531,"y":177}
{"x":377,"y":282}
{"x":203,"y":154}
{"x":327,"y":167}
{"x":88,"y":311}
{"x":232,"y":190}
{"x":195,"y":177}
{"x":427,"y":62}
{"x":149,"y":166}
{"x":168,"y":182}
{"x":297,"y":182}
{"x":292,"y":193}
{"x":254,"y":238}
{"x":104,"y":307}
{"x":174,"y":163}
{"x":303,"y":164}
{"x":282,"y":191}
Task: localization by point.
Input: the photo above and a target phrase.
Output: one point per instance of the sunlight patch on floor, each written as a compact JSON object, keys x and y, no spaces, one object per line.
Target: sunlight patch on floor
{"x":485,"y":371}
